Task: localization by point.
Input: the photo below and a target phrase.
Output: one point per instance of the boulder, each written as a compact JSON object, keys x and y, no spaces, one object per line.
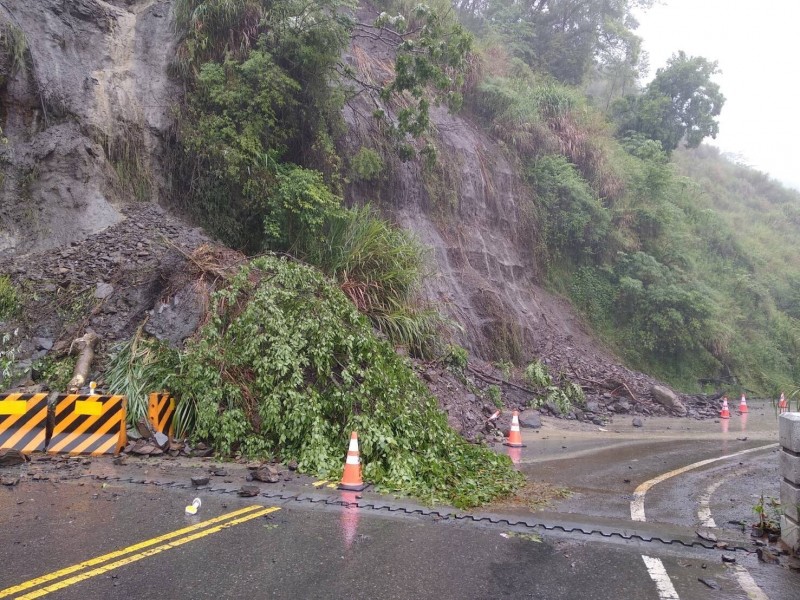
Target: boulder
{"x":668,"y":399}
{"x":530,"y":419}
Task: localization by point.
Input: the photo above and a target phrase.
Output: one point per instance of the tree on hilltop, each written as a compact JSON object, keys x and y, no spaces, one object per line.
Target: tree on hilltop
{"x":681,"y":103}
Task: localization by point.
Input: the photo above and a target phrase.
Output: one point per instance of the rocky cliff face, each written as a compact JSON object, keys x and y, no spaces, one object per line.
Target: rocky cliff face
{"x":85,"y":117}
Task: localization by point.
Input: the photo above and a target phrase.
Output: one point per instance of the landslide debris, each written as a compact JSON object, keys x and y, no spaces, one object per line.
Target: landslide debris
{"x":110,"y":283}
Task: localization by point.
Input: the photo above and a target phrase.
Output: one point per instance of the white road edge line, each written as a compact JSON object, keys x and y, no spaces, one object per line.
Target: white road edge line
{"x":704,"y":512}
{"x":666,"y":591}
{"x":637,"y":504}
{"x":658,"y":573}
{"x":748,"y":584}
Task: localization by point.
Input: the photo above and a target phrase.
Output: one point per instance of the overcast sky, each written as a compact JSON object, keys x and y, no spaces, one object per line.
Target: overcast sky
{"x":757,"y":45}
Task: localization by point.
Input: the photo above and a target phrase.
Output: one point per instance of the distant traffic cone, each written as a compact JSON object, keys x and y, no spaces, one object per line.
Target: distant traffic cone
{"x":514,"y":437}
{"x":351,"y":478}
{"x":782,"y":405}
{"x":743,"y":405}
{"x":725,"y":413}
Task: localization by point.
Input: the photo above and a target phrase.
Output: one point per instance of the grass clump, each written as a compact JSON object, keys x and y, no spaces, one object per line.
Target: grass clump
{"x":9,"y":298}
{"x":138,"y":367}
{"x":379,"y":267}
{"x":286,"y":364}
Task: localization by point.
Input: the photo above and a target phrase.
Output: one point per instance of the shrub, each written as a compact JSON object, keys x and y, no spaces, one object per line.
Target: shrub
{"x":380,"y":268}
{"x":56,"y":373}
{"x":495,"y":395}
{"x":576,"y":223}
{"x":367,"y":165}
{"x":138,"y":367}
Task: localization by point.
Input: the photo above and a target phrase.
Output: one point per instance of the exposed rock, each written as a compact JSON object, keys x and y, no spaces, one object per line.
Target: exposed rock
{"x":637,"y":422}
{"x":103,"y":290}
{"x":96,"y":82}
{"x":249,"y":491}
{"x":199,"y":480}
{"x":766,"y":556}
{"x":711,"y":583}
{"x":530,"y":418}
{"x":10,"y":457}
{"x":42,"y":343}
{"x":668,"y":399}
{"x":706,"y":535}
{"x":268,"y":474}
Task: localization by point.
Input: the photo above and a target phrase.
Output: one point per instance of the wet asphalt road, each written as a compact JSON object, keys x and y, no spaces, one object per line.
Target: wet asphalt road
{"x":305,"y":551}
{"x":301,"y":553}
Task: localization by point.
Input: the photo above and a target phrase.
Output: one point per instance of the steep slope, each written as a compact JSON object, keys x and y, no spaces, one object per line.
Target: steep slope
{"x":470,"y":211}
{"x":85,"y":117}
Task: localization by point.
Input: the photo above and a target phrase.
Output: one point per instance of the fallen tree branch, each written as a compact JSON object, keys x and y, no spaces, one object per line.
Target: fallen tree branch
{"x":492,"y":379}
{"x":619,"y":383}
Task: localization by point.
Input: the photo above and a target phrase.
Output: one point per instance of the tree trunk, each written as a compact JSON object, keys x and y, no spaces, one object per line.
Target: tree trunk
{"x":86,"y":346}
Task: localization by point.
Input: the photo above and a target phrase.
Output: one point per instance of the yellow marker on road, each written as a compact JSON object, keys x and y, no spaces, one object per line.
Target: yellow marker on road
{"x":320,"y":483}
{"x":203,"y":529}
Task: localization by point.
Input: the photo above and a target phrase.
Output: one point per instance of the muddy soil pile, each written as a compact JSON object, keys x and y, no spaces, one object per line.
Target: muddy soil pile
{"x":464,"y":397}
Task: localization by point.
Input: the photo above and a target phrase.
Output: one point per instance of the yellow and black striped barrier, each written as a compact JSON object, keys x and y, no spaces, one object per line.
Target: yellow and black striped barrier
{"x":23,"y":421}
{"x":88,"y":425}
{"x":161,"y":411}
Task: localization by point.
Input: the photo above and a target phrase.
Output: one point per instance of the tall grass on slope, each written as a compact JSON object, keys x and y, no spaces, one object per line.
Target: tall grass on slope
{"x":540,"y":116}
{"x":380,"y":268}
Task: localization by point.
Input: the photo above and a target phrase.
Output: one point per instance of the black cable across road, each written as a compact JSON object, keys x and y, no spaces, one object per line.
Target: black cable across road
{"x":426,"y":512}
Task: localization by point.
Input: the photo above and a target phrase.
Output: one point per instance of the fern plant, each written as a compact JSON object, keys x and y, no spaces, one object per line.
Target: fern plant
{"x":138,"y":367}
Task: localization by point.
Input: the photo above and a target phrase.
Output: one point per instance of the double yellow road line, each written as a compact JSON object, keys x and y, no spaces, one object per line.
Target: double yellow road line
{"x":83,"y":571}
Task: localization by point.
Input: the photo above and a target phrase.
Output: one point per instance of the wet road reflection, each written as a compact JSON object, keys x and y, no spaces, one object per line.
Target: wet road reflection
{"x":349,"y":518}
{"x":515,"y":454}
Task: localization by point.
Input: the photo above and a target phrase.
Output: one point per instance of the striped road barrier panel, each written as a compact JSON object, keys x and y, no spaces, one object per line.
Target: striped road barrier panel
{"x":161,"y":411}
{"x":88,"y":425}
{"x":23,"y":421}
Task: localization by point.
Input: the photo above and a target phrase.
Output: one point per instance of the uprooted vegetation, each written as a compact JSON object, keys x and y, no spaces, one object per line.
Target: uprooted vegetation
{"x":287,"y":366}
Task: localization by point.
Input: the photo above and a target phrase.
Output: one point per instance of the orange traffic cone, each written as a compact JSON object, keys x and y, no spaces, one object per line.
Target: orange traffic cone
{"x":743,"y":405}
{"x":514,"y":438}
{"x":351,"y":478}
{"x":782,"y":405}
{"x":725,"y":413}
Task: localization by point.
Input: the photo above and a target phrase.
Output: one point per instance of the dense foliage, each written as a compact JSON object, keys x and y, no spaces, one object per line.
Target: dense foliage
{"x":656,"y":261}
{"x":256,"y":133}
{"x":287,"y":364}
